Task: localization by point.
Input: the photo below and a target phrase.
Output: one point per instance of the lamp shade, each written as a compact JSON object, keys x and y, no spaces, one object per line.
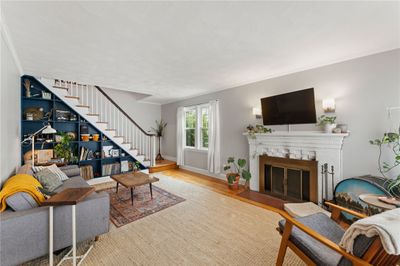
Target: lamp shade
{"x":49,"y":130}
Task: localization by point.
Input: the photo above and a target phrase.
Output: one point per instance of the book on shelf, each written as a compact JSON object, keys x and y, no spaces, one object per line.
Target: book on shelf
{"x":111,"y":169}
{"x":86,"y":154}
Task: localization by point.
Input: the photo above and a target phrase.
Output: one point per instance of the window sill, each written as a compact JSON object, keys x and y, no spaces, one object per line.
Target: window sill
{"x":196,"y":150}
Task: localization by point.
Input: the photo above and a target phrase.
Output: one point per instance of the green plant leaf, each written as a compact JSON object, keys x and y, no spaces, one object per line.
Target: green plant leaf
{"x":241,"y":163}
{"x":246,"y":175}
{"x":231,"y":159}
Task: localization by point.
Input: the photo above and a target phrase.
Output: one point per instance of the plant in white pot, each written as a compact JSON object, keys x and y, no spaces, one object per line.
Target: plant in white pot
{"x":327,"y":122}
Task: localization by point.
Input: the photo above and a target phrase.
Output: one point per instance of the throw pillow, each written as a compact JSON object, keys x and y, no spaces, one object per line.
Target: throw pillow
{"x":21,"y":201}
{"x":48,"y":179}
{"x":53,"y":168}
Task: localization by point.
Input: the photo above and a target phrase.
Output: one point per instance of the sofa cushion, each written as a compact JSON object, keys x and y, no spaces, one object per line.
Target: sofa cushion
{"x":48,"y":179}
{"x":71,"y":170}
{"x":317,"y":252}
{"x":73,"y":182}
{"x":21,"y":201}
{"x":53,"y":168}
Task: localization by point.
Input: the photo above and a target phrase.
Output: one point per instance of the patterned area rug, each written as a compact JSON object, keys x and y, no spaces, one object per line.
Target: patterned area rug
{"x":123,"y":212}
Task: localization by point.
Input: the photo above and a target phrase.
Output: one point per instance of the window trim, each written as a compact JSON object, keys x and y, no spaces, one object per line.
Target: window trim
{"x":197,"y":134}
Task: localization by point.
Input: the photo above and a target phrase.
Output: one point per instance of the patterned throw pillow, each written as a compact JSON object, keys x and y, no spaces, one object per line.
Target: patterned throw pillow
{"x":53,"y":168}
{"x":48,"y":179}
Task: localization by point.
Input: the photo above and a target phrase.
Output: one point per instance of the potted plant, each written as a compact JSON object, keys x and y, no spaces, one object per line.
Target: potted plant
{"x":239,"y":170}
{"x":136,"y":166}
{"x":159,"y":130}
{"x":63,"y":149}
{"x":327,"y":122}
{"x":391,"y":140}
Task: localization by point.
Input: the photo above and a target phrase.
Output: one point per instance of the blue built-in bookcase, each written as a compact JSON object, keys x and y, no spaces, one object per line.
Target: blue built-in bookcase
{"x":51,"y":105}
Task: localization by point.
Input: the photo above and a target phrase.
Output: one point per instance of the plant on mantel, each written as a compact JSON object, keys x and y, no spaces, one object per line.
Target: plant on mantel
{"x":253,"y":130}
{"x":327,"y":122}
{"x":392,"y":141}
{"x":238,"y":170}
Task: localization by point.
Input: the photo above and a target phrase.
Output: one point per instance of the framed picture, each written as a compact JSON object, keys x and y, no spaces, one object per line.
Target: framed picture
{"x":114,"y":153}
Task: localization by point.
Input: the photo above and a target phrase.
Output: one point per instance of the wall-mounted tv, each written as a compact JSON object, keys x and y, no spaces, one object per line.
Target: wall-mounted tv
{"x":296,"y":107}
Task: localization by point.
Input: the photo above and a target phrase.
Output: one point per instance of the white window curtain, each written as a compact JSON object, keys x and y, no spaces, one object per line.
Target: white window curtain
{"x":214,"y":162}
{"x":180,"y":136}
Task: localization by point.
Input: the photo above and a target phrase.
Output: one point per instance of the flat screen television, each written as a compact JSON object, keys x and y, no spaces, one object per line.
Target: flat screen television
{"x":296,"y":107}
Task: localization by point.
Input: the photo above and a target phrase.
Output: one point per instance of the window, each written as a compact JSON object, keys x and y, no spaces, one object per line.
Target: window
{"x":196,"y":127}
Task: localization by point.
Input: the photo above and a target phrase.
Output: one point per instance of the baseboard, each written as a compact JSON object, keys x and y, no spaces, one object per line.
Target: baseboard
{"x":201,"y":171}
{"x":169,"y":158}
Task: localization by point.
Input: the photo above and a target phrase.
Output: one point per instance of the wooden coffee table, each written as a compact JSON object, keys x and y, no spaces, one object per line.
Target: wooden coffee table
{"x":134,"y":179}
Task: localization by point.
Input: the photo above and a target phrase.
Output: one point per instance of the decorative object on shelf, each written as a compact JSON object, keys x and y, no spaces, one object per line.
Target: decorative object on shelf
{"x":105,"y":138}
{"x":392,"y":141}
{"x":27,"y":85}
{"x":95,"y":137}
{"x":73,"y":117}
{"x":29,"y":116}
{"x":84,"y":129}
{"x":159,"y":130}
{"x":328,"y":105}
{"x":47,"y":129}
{"x":85,"y":137}
{"x":35,"y":112}
{"x":97,"y":154}
{"x":240,"y":170}
{"x":63,"y":148}
{"x":44,"y":156}
{"x":46,"y":95}
{"x":106,"y":151}
{"x":123,"y":154}
{"x":327,"y":122}
{"x":72,"y":135}
{"x":257,"y":129}
{"x":62,"y":115}
{"x":337,"y":130}
{"x":124,"y":166}
{"x":114,"y":152}
{"x":326,"y":175}
{"x":343,"y":127}
{"x":136,"y":166}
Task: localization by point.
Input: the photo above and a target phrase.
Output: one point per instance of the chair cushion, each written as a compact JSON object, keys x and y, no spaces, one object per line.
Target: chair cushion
{"x":361,"y":245}
{"x":317,"y":252}
{"x":73,"y":182}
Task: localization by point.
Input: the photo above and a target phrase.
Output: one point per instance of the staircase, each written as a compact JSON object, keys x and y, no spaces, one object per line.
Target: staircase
{"x":92,"y":103}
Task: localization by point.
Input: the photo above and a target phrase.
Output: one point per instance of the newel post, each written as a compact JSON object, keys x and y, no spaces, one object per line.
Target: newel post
{"x":153,"y":150}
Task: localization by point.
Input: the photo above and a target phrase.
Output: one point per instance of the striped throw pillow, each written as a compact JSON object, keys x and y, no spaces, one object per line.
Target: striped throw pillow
{"x":54,"y":169}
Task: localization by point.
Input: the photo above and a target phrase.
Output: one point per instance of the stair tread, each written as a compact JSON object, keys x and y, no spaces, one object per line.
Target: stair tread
{"x":110,"y":129}
{"x":93,"y":114}
{"x":118,"y":136}
{"x":101,"y":122}
{"x":59,"y":87}
{"x":71,"y":97}
{"x":81,"y":105}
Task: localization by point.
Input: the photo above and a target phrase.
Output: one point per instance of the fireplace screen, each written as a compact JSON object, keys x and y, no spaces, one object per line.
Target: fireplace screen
{"x":287,"y":183}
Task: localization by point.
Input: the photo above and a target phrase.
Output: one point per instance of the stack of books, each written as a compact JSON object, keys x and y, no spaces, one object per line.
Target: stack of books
{"x":111,"y":169}
{"x":86,"y":154}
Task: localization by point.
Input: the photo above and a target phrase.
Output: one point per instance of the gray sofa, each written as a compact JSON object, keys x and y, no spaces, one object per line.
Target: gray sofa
{"x":24,"y":235}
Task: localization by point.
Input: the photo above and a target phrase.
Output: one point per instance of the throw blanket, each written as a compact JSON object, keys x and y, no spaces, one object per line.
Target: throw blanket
{"x":20,"y":183}
{"x":386,"y":225}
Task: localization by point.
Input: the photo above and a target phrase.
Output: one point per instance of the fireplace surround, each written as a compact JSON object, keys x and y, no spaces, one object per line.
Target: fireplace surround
{"x":308,"y":146}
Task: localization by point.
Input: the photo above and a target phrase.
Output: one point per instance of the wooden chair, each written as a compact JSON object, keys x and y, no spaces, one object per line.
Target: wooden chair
{"x":315,"y":240}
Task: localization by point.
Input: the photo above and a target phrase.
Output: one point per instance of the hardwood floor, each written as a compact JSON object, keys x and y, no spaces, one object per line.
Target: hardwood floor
{"x":220,"y":186}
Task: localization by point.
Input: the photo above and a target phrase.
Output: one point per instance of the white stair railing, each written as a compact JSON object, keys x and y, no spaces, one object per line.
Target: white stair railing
{"x":139,"y":143}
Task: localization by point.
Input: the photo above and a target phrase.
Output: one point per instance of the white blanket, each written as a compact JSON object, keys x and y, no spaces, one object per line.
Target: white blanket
{"x":386,"y":225}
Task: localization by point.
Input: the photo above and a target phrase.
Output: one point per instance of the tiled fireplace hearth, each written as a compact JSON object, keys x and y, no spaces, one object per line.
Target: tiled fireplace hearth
{"x":294,"y":159}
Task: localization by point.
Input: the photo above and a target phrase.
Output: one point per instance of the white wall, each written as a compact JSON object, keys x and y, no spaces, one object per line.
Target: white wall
{"x":362,"y":87}
{"x":9,"y":112}
{"x":145,"y":114}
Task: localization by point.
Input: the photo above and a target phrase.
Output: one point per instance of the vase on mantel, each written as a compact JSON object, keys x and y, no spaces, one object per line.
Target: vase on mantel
{"x":328,"y":128}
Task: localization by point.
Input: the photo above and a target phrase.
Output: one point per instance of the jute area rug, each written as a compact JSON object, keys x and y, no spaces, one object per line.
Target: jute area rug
{"x":206,"y":229}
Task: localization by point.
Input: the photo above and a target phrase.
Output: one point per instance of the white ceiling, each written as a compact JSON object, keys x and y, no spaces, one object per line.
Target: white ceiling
{"x":174,"y":50}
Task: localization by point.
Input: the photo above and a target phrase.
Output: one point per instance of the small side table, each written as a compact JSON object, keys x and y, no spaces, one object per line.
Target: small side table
{"x":372,"y":199}
{"x":69,"y":196}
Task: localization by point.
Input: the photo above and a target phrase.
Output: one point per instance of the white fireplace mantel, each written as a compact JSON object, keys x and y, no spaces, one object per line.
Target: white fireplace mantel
{"x":302,"y":145}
